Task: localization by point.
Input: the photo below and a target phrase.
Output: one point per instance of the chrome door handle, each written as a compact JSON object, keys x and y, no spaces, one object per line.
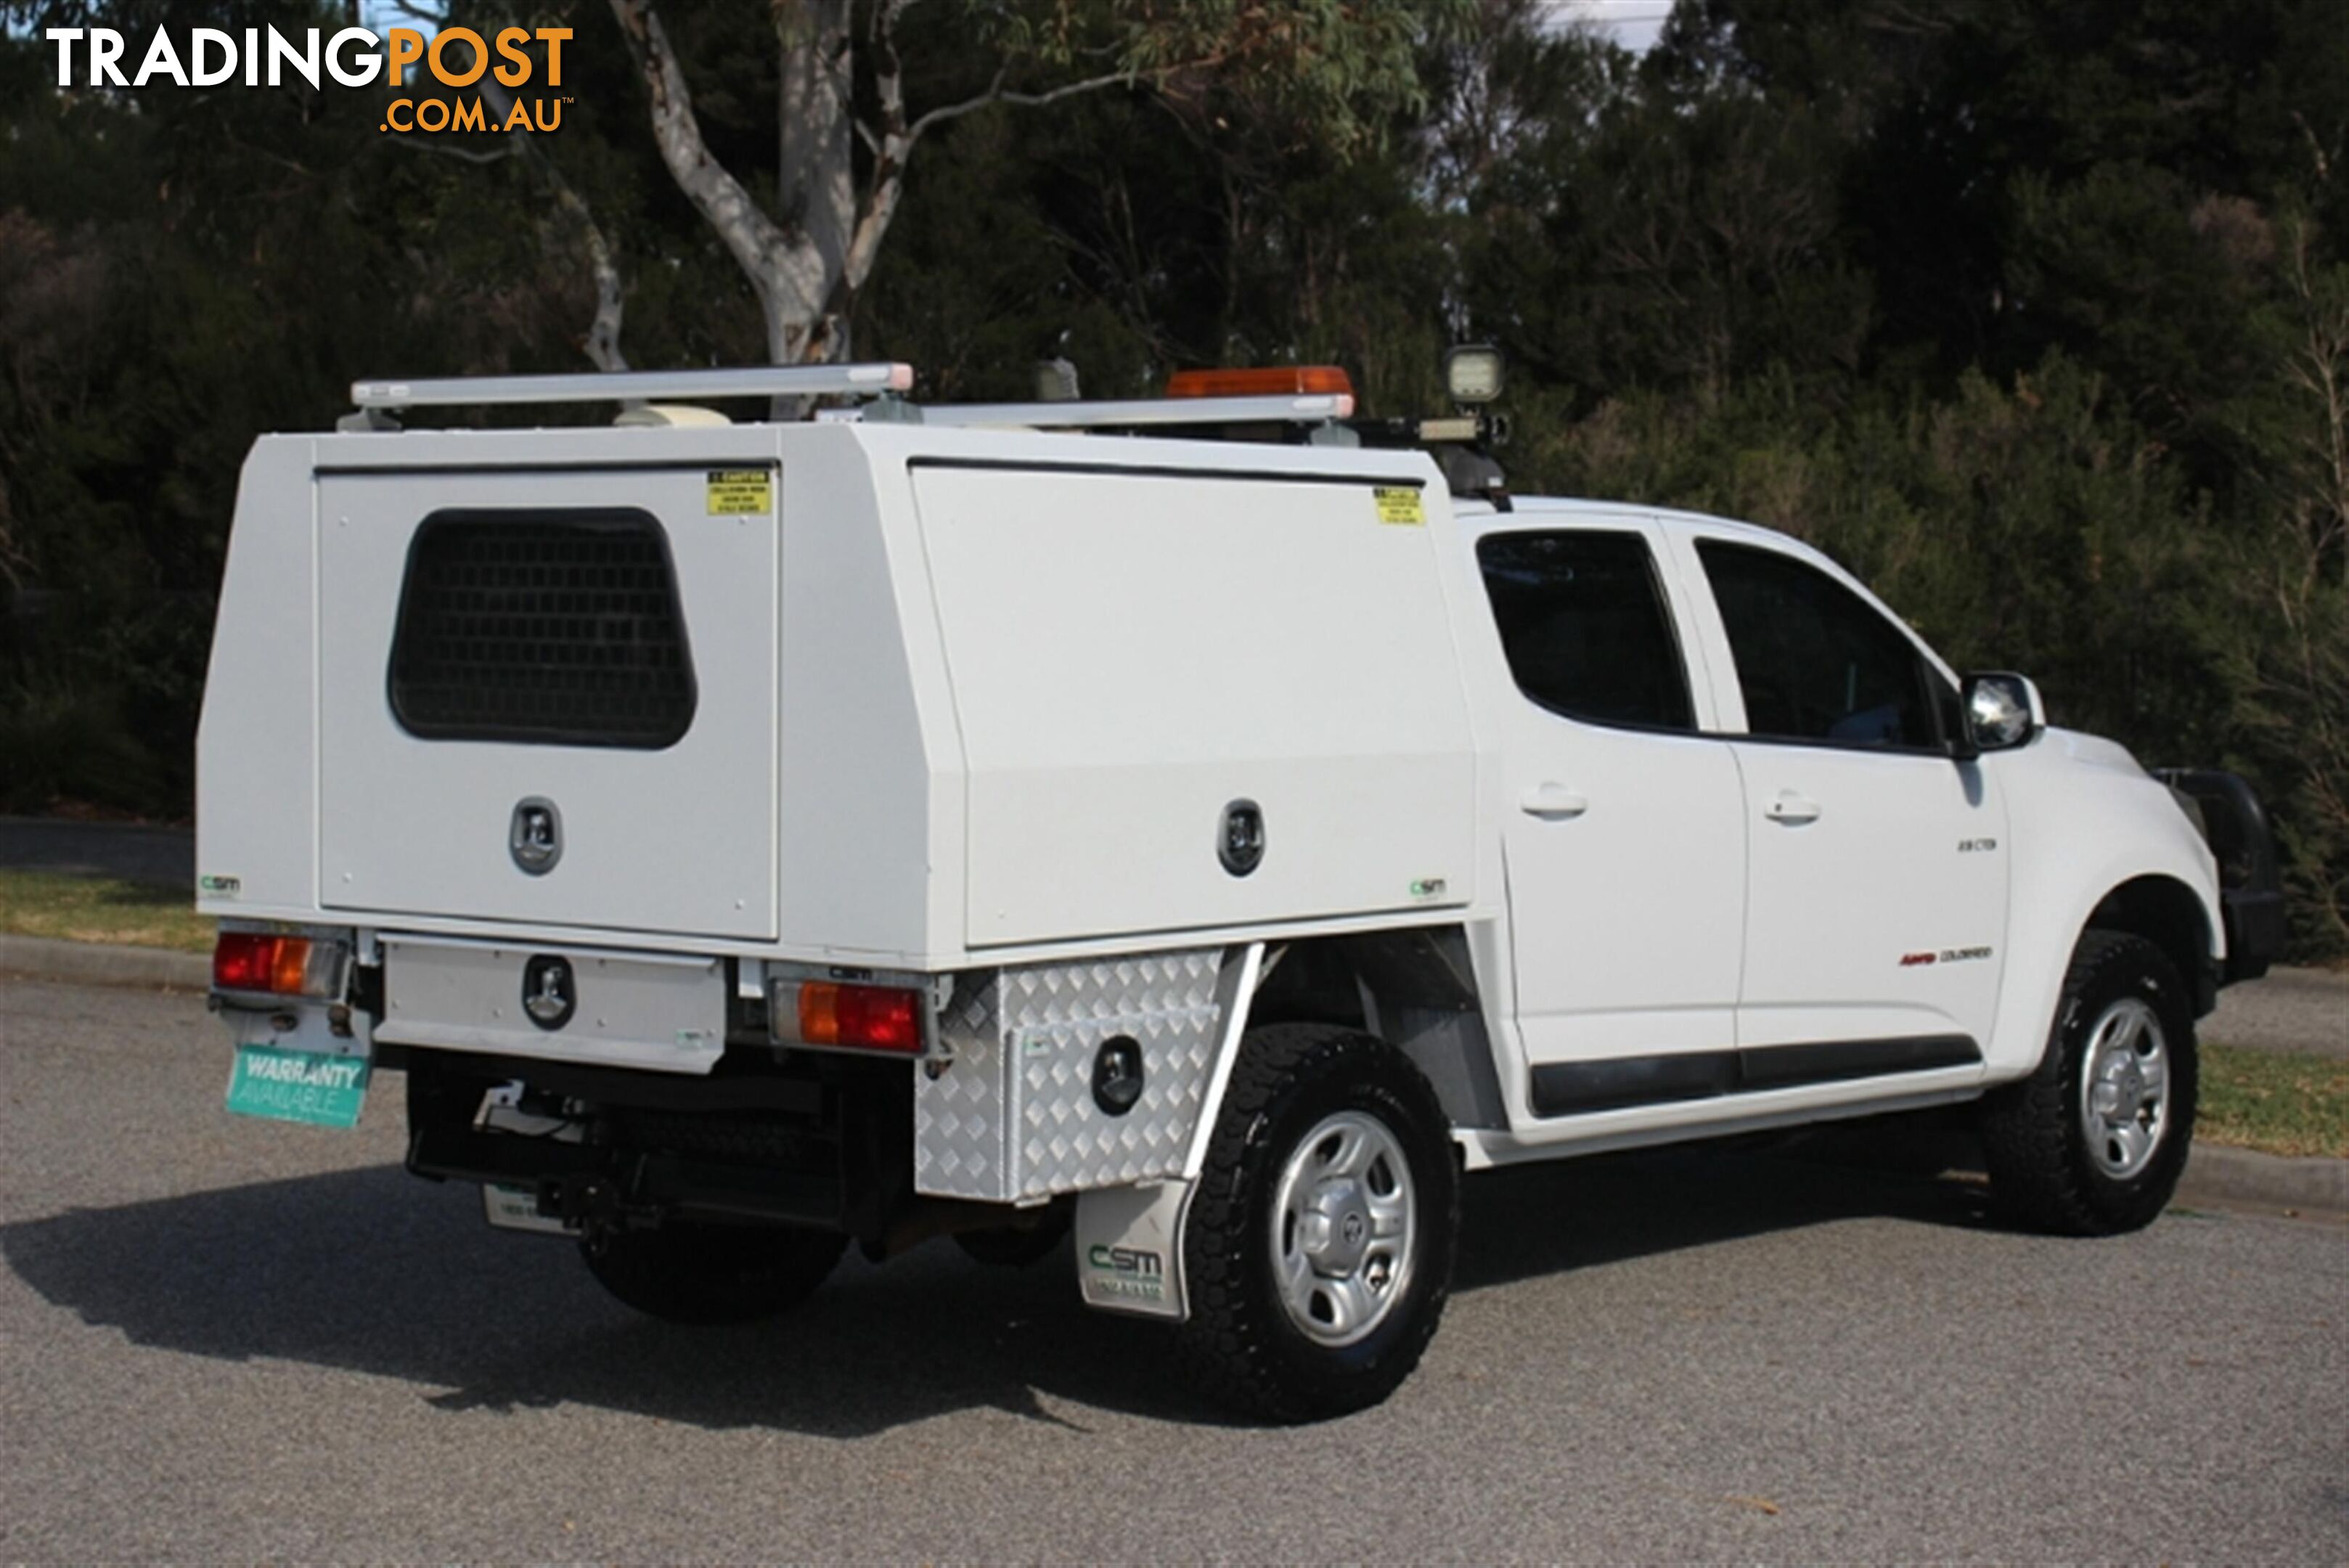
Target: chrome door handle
{"x":1552,"y":800}
{"x":1792,"y":809}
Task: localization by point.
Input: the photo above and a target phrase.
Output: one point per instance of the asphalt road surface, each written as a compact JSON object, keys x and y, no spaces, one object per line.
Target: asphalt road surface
{"x":226,"y":1339}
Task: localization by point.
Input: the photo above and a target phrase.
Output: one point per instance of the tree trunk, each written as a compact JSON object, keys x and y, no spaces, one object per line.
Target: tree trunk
{"x":815,"y":183}
{"x":789,"y":269}
{"x":807,"y":264}
{"x":602,"y":343}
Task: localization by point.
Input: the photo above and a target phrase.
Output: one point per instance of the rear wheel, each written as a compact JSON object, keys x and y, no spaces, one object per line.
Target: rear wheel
{"x":2094,"y":1141}
{"x":1319,"y":1247}
{"x":685,"y":1273}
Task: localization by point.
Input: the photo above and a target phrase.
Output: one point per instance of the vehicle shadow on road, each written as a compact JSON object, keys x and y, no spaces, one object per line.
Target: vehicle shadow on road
{"x":373,"y":1271}
{"x":1552,"y":1218}
{"x":368,"y":1271}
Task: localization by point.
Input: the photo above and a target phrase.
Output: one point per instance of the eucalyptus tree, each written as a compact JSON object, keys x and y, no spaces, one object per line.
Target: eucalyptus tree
{"x":848,"y":125}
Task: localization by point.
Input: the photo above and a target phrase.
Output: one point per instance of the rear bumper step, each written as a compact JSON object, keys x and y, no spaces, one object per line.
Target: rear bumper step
{"x":578,"y":1181}
{"x":619,"y":1086}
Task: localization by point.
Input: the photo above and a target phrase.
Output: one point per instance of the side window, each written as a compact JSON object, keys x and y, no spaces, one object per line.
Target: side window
{"x":1584,"y":624}
{"x":1815,"y":662}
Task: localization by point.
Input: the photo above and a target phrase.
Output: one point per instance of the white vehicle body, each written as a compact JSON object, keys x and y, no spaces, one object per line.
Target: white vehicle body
{"x":971,"y":712}
{"x":959,"y":692}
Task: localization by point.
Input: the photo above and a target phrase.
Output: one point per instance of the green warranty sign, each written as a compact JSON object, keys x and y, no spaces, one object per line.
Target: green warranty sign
{"x":299,"y":1085}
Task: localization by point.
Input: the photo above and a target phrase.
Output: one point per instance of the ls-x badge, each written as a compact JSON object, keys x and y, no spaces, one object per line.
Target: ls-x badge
{"x":549,"y":992}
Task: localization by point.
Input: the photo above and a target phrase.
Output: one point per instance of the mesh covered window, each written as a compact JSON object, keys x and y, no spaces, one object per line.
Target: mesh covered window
{"x":558,"y":628}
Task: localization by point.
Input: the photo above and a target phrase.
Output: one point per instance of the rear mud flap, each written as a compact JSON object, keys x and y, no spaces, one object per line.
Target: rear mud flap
{"x":1130,"y":1249}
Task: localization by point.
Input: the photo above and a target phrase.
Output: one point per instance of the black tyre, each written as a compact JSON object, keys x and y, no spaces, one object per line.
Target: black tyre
{"x":2092,"y":1143}
{"x":1320,"y":1244}
{"x":1017,"y":1246}
{"x":711,"y":1273}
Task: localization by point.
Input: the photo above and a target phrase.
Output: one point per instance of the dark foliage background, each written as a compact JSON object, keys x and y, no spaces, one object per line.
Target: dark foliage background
{"x":2036,"y":316}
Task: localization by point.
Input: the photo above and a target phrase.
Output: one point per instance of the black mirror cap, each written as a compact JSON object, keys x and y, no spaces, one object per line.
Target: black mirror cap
{"x":2000,"y":711}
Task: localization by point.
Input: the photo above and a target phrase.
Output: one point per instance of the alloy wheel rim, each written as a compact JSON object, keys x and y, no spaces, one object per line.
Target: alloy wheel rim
{"x":2125,"y":1088}
{"x":1345,"y":1218}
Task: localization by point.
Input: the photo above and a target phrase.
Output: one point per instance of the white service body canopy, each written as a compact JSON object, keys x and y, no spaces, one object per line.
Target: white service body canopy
{"x":960,"y":696}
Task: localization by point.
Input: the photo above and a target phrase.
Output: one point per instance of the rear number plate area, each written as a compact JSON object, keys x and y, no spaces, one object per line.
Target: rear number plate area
{"x":516,"y":1208}
{"x":307,"y":1086}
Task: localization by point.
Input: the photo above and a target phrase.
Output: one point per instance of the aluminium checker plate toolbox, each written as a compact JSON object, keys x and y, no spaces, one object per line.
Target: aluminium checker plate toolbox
{"x":1014,"y":1118}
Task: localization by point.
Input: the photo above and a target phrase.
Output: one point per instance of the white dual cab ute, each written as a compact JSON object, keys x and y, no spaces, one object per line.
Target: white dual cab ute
{"x":996,"y":822}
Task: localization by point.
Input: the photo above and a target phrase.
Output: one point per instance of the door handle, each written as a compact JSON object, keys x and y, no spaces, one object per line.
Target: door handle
{"x":1792,"y":809}
{"x":1552,"y":800}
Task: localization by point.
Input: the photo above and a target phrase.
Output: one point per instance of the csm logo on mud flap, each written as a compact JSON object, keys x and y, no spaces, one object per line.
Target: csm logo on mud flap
{"x":1131,"y":1271}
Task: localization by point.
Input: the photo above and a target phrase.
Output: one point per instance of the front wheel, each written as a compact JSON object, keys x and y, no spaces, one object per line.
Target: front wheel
{"x":2094,"y":1141}
{"x":1320,"y":1244}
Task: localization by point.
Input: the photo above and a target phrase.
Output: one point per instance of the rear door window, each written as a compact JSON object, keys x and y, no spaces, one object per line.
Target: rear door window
{"x":1585,"y":626}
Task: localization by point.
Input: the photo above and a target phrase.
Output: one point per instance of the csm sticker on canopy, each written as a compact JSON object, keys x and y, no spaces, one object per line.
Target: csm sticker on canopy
{"x":1400,"y":504}
{"x":740,"y":491}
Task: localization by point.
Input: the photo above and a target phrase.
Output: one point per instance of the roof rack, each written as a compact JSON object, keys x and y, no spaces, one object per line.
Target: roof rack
{"x":377,"y":399}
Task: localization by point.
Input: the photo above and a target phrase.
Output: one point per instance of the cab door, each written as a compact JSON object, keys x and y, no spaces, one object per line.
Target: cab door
{"x":1876,"y":866}
{"x":1624,"y":835}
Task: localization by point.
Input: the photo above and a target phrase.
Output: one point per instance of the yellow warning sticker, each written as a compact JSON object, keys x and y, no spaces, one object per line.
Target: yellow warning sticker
{"x":1400,"y":504}
{"x":737,"y":492}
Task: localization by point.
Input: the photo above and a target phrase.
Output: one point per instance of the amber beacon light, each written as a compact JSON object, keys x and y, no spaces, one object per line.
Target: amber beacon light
{"x":1261,"y":381}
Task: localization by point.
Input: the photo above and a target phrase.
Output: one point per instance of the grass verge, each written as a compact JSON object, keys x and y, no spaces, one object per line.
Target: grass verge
{"x":2278,"y":1102}
{"x":2273,"y":1101}
{"x":101,"y":909}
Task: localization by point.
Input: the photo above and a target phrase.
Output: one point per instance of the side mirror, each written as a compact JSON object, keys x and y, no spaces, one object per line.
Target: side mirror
{"x":2002,"y":711}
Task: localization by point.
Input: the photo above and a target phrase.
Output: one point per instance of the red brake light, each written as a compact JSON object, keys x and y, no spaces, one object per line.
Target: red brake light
{"x":264,"y":961}
{"x":870,"y":1017}
{"x":1261,"y":381}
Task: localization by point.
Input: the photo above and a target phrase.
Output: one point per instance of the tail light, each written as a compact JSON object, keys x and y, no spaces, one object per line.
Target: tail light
{"x":859,"y":1017}
{"x":264,"y":963}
